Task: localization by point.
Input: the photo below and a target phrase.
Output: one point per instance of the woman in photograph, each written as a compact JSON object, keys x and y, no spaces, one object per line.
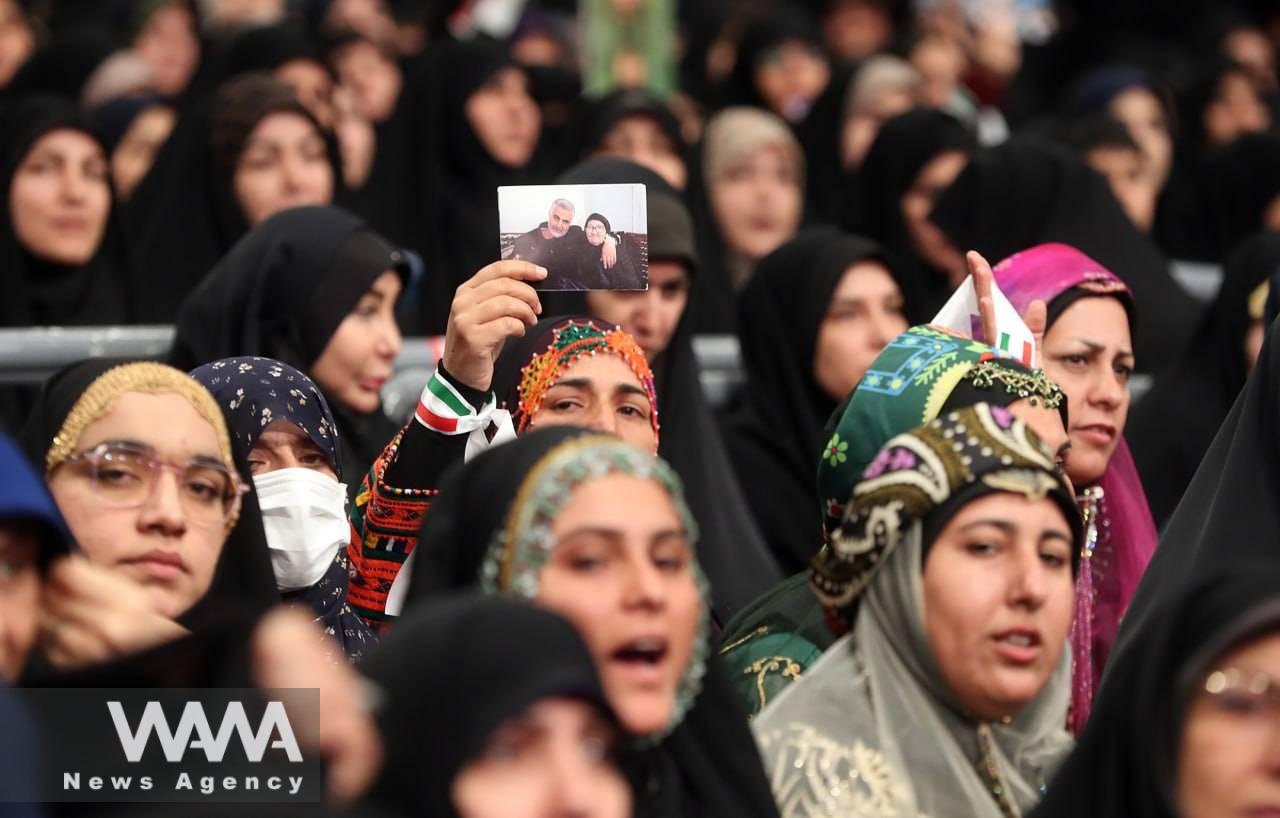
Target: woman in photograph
{"x":627,"y":273}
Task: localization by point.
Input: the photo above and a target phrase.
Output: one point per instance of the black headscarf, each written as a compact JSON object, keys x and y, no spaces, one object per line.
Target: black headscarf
{"x":730,"y":547}
{"x":1240,"y":182}
{"x":830,"y":190}
{"x":1125,"y":761}
{"x":601,"y":115}
{"x":450,"y":216}
{"x":503,"y":657}
{"x":903,"y":146}
{"x":1186,"y":224}
{"x":1228,"y":514}
{"x":773,"y":433}
{"x":183,"y":217}
{"x":1175,"y":422}
{"x":38,"y":291}
{"x":243,"y":582}
{"x":281,"y":293}
{"x":708,"y":765}
{"x":785,"y":21}
{"x":63,"y":65}
{"x":1027,"y":192}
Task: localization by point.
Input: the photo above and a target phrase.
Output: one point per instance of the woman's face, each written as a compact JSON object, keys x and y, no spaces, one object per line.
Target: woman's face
{"x":860,"y":130}
{"x":59,"y":198}
{"x":639,"y":139}
{"x":505,"y":118}
{"x":595,"y":232}
{"x":17,"y":40}
{"x":284,"y":445}
{"x":163,"y":545}
{"x":553,"y":759}
{"x":1088,"y":352}
{"x":137,"y":151}
{"x":650,"y":316}
{"x":998,"y":596}
{"x":284,"y":164}
{"x":1228,"y":760}
{"x":865,"y":314}
{"x":358,"y":359}
{"x":621,"y":571}
{"x":790,"y":77}
{"x":930,"y":243}
{"x":1126,"y":173}
{"x":1235,"y":110}
{"x":19,"y":596}
{"x":373,"y":79}
{"x":600,"y":392}
{"x":312,"y":85}
{"x":757,"y":202}
{"x":1142,"y":114}
{"x":169,"y":45}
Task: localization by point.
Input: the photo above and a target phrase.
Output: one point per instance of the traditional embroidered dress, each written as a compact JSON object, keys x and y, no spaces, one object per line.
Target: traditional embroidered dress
{"x":451,"y":424}
{"x":773,"y":641}
{"x":873,"y":729}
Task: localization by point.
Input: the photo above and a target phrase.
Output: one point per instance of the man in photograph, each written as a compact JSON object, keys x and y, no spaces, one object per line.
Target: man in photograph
{"x":562,"y":247}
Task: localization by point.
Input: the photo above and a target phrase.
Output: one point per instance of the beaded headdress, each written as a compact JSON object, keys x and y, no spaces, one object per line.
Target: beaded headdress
{"x":521,"y":548}
{"x":568,"y":343}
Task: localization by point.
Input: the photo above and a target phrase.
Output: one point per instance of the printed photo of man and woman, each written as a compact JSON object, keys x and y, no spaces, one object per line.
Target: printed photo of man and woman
{"x":589,"y":237}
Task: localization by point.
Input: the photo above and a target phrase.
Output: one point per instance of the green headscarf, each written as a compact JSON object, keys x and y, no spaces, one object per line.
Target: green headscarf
{"x":914,"y":378}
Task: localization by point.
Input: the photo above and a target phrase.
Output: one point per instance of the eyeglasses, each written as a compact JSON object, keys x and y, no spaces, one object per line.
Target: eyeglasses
{"x":124,"y":476}
{"x":1251,"y":697}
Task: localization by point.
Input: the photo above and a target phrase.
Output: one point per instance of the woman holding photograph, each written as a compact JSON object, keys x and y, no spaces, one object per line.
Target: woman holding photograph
{"x":627,"y":273}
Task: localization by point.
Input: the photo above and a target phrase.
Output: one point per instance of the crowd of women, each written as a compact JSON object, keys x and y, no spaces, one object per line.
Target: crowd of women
{"x":899,"y":572}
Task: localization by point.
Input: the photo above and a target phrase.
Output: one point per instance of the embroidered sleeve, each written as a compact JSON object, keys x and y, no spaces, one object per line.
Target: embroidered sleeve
{"x":762,"y":664}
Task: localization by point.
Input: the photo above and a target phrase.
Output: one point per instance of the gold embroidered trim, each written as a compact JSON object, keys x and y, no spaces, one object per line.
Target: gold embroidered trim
{"x":760,"y":631}
{"x":784,"y":666}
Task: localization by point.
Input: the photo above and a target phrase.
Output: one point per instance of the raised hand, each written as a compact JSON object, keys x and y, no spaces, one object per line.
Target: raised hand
{"x":983,"y":280}
{"x":495,"y":304}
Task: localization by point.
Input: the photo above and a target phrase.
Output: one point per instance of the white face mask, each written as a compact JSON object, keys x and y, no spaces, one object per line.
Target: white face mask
{"x":304,"y":514}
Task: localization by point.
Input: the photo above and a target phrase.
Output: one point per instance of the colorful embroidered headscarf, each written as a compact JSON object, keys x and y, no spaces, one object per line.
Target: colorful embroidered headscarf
{"x":542,"y":355}
{"x":919,"y":373}
{"x":1122,"y":534}
{"x":925,"y":476}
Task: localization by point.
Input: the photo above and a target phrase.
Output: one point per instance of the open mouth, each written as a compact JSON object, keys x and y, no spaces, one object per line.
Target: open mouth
{"x":642,"y":653}
{"x":1019,"y":646}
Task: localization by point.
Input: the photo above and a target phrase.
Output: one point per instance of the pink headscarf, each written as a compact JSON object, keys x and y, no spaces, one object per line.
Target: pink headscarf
{"x":1125,"y":530}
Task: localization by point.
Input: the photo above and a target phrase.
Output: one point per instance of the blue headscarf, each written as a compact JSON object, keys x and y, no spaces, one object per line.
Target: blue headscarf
{"x":23,"y":496}
{"x":254,"y":392}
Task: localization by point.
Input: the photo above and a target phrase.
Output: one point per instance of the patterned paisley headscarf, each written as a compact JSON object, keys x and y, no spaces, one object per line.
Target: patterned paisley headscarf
{"x":873,"y":729}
